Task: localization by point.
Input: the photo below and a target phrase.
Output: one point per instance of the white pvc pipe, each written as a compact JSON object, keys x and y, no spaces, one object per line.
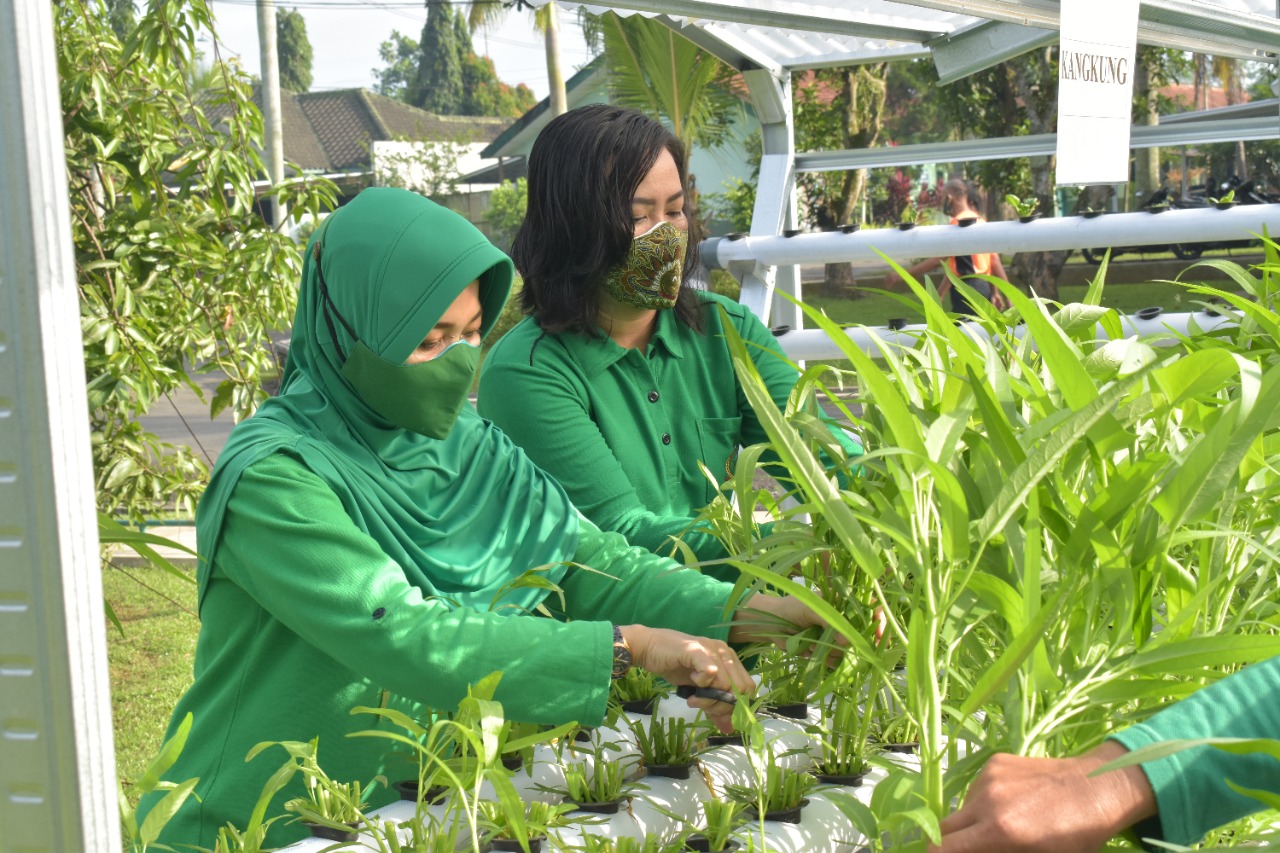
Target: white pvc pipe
{"x":805,"y":344}
{"x":934,"y":241}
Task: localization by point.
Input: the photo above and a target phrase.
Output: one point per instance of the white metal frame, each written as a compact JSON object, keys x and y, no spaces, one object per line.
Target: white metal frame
{"x":57,"y":762}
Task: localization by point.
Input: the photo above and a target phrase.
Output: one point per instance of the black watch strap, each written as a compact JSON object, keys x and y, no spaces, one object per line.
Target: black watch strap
{"x":621,"y":654}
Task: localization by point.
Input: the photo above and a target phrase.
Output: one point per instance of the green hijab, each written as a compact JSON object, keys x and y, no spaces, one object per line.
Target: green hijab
{"x":463,"y":515}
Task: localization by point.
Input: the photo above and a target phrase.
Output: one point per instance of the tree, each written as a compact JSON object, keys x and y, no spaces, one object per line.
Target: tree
{"x":486,"y":95}
{"x":295,"y":50}
{"x":438,"y":87}
{"x":547,"y":22}
{"x":167,"y":240}
{"x":400,"y":55}
{"x":123,"y":16}
{"x":838,"y":108}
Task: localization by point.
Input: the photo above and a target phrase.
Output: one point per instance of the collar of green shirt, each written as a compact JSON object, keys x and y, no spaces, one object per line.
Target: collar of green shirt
{"x":596,"y":355}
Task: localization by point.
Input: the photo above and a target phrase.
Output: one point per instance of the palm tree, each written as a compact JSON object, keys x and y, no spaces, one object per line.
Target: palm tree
{"x":488,"y":14}
{"x":656,"y":71}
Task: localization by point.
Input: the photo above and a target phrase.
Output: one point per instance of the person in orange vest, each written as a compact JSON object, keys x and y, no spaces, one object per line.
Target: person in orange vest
{"x":957,"y":202}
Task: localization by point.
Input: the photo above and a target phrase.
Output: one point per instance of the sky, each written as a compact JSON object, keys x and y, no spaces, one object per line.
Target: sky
{"x":345,"y":35}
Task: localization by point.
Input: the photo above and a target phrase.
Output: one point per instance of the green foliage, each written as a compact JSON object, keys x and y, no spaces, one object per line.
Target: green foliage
{"x":505,"y":214}
{"x":782,"y":788}
{"x":486,"y":95}
{"x":399,"y":55}
{"x":658,"y":72}
{"x":294,"y":49}
{"x":327,"y":802}
{"x":669,"y":740}
{"x":1065,"y":534}
{"x":598,"y":781}
{"x":637,"y":685}
{"x":1023,"y":208}
{"x":722,"y":817}
{"x":836,"y":109}
{"x":439,"y":86}
{"x":123,"y":16}
{"x":175,"y":268}
{"x":141,"y":837}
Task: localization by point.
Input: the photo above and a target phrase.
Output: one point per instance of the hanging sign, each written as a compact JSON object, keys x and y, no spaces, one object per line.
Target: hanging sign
{"x":1095,"y":90}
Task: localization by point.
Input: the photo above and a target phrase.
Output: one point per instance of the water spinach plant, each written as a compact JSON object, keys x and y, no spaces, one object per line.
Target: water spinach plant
{"x":1065,"y":530}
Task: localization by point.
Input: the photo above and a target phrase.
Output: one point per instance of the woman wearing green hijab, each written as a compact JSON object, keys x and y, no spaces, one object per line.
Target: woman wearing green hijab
{"x":361,"y":534}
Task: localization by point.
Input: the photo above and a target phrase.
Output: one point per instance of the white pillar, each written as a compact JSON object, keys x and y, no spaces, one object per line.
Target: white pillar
{"x":57,"y":758}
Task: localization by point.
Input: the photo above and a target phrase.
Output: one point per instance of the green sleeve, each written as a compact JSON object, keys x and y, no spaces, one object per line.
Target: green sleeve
{"x":642,"y":588}
{"x":288,"y":542}
{"x":561,"y":438}
{"x":1190,"y":786}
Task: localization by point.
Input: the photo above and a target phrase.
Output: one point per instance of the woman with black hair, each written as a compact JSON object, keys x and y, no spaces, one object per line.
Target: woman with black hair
{"x":620,"y":383}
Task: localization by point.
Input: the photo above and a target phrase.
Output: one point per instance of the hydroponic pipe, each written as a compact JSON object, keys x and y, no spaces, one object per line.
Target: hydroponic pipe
{"x":1155,"y":329}
{"x":1042,"y":235}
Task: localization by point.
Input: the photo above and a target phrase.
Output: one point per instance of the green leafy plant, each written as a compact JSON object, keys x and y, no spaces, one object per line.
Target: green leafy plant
{"x":141,"y":837}
{"x":649,"y":844}
{"x":1054,"y":547}
{"x":598,"y":781}
{"x":337,"y":805}
{"x":910,"y":213}
{"x":638,"y":685}
{"x":721,"y":818}
{"x":845,"y":734}
{"x":1022,"y":208}
{"x":783,"y":789}
{"x":175,"y":268}
{"x":509,"y":818}
{"x":1228,"y":197}
{"x":670,"y":740}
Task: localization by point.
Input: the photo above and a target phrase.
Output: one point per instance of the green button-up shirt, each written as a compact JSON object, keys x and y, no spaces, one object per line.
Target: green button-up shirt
{"x":624,"y":430}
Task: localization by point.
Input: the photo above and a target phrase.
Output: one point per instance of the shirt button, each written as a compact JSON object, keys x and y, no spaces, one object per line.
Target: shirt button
{"x":666,"y":438}
{"x":653,"y":396}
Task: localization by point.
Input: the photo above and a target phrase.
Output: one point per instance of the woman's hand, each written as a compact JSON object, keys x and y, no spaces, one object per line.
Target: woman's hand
{"x":685,"y":659}
{"x":768,"y":619}
{"x":1048,"y":804}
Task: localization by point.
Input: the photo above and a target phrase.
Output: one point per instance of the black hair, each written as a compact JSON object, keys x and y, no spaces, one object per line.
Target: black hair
{"x":583,"y":171}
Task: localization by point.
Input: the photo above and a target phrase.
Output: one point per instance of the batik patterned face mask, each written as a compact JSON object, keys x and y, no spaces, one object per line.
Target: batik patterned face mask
{"x":650,"y":276}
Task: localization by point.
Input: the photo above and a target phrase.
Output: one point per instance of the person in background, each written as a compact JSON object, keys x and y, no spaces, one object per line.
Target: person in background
{"x":958,"y":203}
{"x":620,"y":383}
{"x":364,"y":534}
{"x":1055,"y":805}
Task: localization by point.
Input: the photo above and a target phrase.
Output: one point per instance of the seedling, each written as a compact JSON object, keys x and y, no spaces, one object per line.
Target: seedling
{"x":603,"y":783}
{"x":1225,"y":200}
{"x":722,"y":818}
{"x":671,"y":740}
{"x":844,"y":741}
{"x":1023,"y":208}
{"x":523,"y":822}
{"x":638,"y":685}
{"x":783,"y":789}
{"x":328,"y":803}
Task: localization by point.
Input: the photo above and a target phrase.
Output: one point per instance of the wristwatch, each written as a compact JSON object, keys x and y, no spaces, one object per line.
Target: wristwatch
{"x":621,"y":654}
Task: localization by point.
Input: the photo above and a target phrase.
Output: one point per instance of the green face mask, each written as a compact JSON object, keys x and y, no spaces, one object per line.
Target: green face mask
{"x":650,"y":275}
{"x":425,"y":397}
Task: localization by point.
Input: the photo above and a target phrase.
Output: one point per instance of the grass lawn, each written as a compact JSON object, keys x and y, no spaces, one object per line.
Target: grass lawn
{"x":150,"y":664}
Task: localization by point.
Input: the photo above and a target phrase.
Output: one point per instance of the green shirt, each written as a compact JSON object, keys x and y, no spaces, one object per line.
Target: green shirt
{"x":623,"y":430}
{"x":306,"y":617}
{"x":1190,"y":786}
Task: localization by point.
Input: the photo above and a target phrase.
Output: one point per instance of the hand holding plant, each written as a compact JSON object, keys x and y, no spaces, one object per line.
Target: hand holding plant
{"x":1048,"y":804}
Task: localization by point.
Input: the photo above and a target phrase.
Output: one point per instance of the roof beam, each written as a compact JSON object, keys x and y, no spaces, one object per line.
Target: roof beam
{"x":986,"y":43}
{"x":1039,"y":145}
{"x":1166,"y":23}
{"x":791,"y":15}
